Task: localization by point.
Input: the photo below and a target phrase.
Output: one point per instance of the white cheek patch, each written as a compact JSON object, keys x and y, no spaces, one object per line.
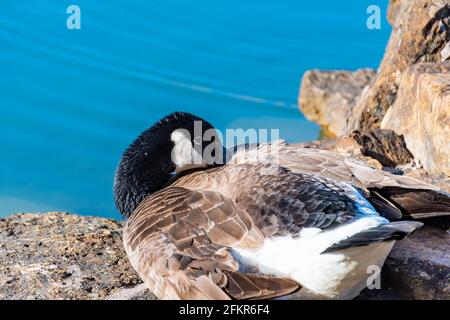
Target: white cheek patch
{"x":184,"y":155}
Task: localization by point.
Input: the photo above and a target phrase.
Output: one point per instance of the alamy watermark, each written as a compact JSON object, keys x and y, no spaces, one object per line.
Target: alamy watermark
{"x":374,"y":280}
{"x":73,"y":21}
{"x":374,"y":19}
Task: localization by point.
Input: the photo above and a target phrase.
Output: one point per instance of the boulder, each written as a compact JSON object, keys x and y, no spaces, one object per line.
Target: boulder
{"x":418,"y":267}
{"x":421,"y":32}
{"x":328,"y":97}
{"x":421,"y":113}
{"x":385,"y":146}
{"x":63,"y":256}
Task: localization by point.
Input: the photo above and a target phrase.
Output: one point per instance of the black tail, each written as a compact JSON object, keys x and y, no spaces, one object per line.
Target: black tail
{"x":391,"y":231}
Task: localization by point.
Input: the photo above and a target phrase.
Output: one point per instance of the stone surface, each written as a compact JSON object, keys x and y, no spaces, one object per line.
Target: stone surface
{"x":421,"y":114}
{"x":421,"y":30}
{"x":385,"y":146}
{"x":445,"y":53}
{"x":394,"y":10}
{"x":63,"y":256}
{"x":419,"y":266}
{"x":328,"y":97}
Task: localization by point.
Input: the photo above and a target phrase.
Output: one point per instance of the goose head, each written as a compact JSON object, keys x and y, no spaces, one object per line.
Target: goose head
{"x":177,"y":143}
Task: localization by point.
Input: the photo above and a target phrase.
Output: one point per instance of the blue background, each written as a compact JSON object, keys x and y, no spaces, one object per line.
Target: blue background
{"x":72,"y":100}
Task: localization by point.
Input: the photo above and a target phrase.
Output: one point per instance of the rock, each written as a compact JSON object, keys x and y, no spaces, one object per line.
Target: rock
{"x":394,"y":10}
{"x":419,"y":266}
{"x":408,"y":96}
{"x":421,"y":30}
{"x":64,"y":256}
{"x":385,"y":146}
{"x":328,"y":97}
{"x":445,"y":53}
{"x":421,"y":114}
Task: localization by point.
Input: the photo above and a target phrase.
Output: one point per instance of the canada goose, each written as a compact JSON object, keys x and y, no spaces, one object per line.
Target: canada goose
{"x":307,"y":228}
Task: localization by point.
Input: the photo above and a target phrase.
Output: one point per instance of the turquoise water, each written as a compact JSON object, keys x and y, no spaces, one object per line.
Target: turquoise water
{"x":72,"y":100}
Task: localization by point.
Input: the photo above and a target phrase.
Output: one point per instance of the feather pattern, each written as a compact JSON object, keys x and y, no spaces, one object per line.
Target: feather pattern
{"x":179,"y":242}
{"x":182,"y":239}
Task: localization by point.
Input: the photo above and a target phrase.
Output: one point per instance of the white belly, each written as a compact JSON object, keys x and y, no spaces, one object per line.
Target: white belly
{"x":335,"y":275}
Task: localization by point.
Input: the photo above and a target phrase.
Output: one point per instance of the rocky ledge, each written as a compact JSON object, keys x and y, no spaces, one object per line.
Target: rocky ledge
{"x":63,"y":256}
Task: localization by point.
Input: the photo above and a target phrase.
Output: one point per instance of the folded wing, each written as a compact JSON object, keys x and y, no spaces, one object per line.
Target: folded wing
{"x":394,"y":196}
{"x":179,"y":242}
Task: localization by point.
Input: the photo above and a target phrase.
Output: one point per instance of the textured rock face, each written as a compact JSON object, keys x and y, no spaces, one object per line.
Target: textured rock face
{"x":385,"y":146}
{"x":328,"y":97}
{"x":62,"y":256}
{"x":419,"y":267}
{"x":422,"y":114}
{"x":393,"y":10}
{"x":421,"y":30}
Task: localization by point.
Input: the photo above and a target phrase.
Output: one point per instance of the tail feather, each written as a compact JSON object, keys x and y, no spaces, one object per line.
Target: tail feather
{"x":387,"y":232}
{"x":385,"y":207}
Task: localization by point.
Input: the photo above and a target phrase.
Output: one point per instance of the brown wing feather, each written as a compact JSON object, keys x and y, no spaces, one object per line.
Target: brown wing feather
{"x":393,"y":195}
{"x":341,"y":168}
{"x":251,"y":286}
{"x":178,"y":241}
